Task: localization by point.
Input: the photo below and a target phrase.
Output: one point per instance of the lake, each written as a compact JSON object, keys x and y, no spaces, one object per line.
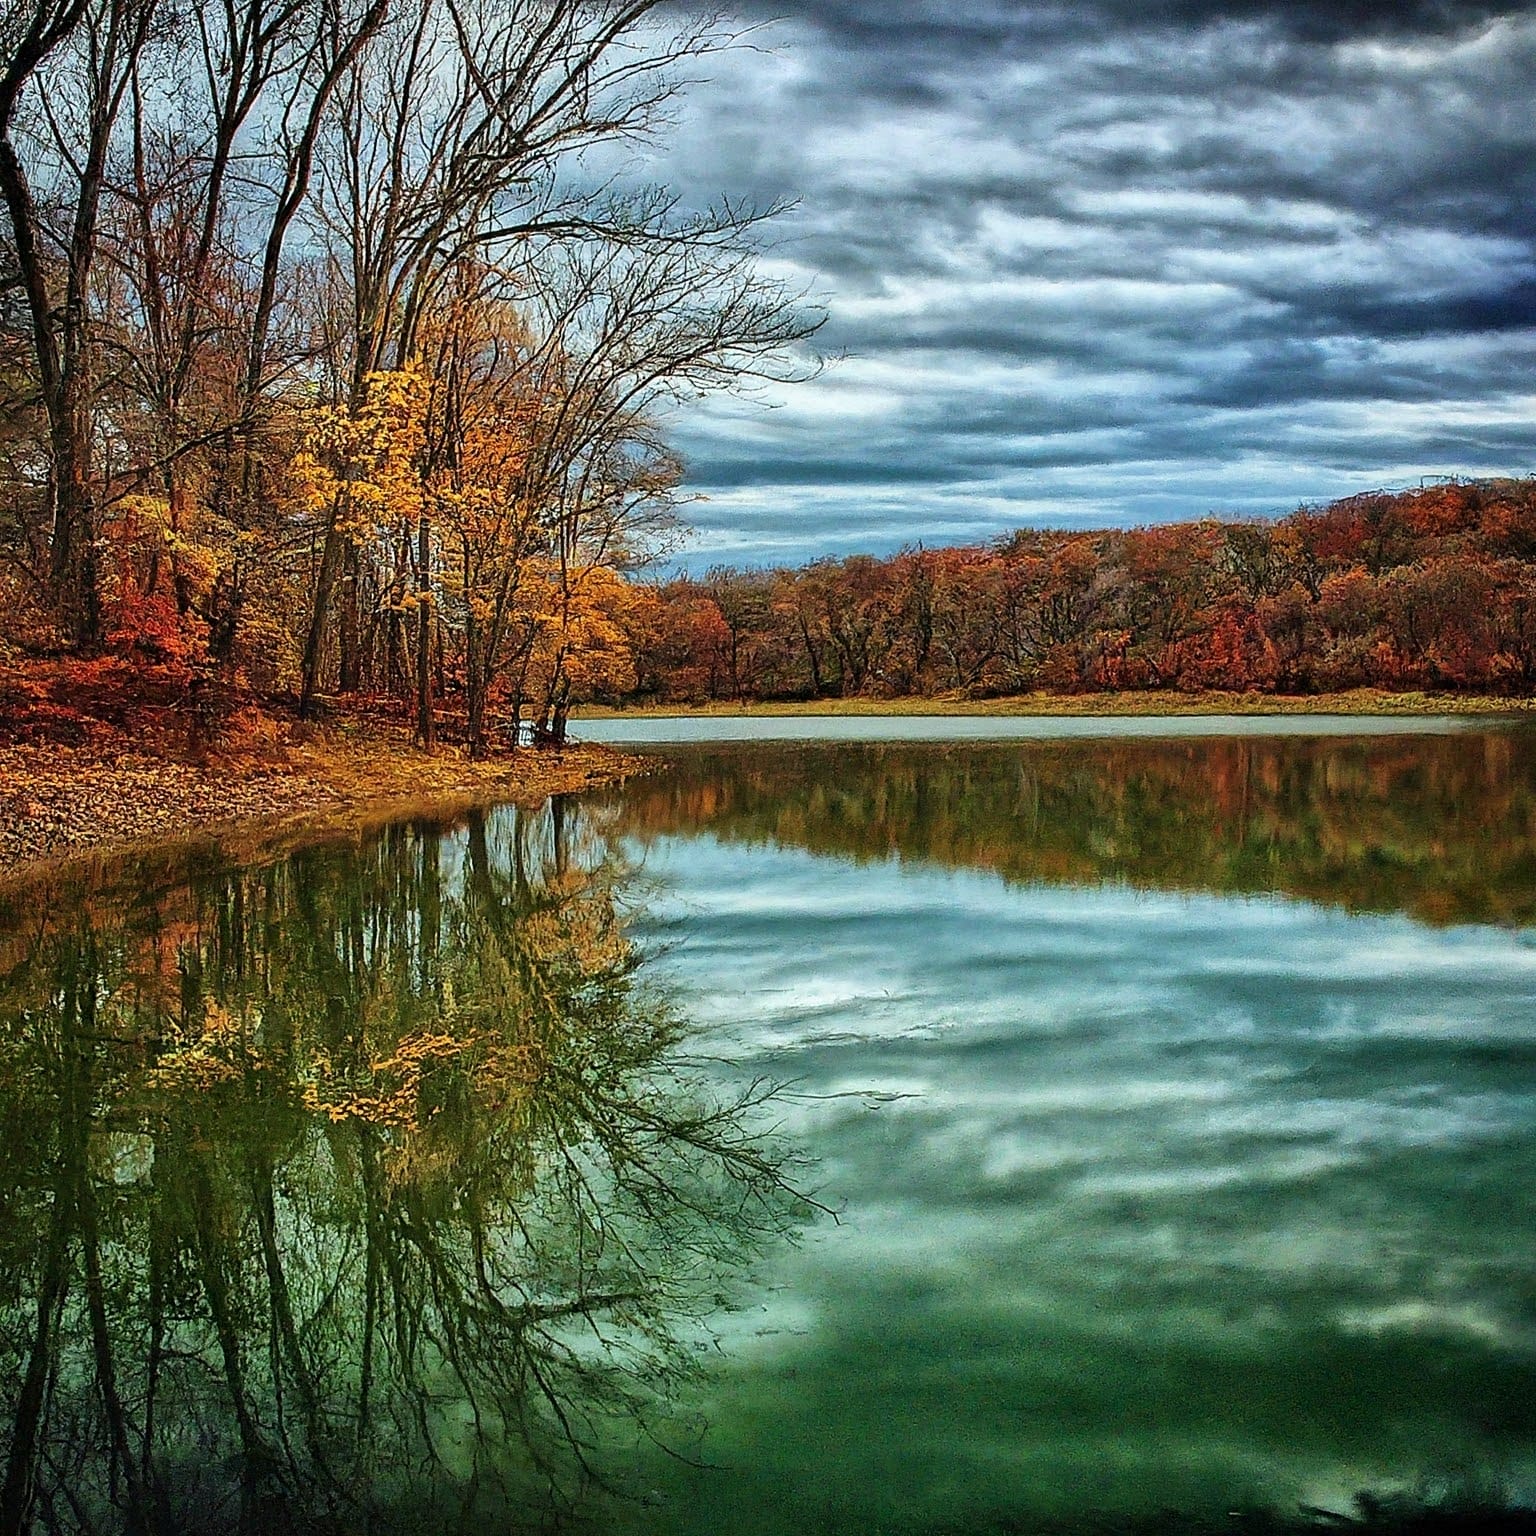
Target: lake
{"x":890,"y":1135}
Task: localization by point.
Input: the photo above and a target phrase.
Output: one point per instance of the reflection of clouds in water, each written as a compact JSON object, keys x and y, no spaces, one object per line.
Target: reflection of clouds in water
{"x":1424,"y":1317}
{"x":1419,"y":1120}
{"x":1515,"y":1029}
{"x":1390,"y":955}
{"x":1007,"y":1157}
{"x":1157,"y":1142}
{"x":777,"y":1321}
{"x":1151,"y":1149}
{"x":1279,"y":1167}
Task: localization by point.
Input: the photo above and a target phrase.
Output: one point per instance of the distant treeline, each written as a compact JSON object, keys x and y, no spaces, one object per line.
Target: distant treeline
{"x":1433,"y":588}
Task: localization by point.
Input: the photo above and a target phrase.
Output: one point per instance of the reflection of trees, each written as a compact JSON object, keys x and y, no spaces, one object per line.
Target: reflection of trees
{"x":1441,"y":827}
{"x":362,"y":1186}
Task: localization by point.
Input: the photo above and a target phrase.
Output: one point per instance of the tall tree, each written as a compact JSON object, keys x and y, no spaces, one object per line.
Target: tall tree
{"x":79,"y":58}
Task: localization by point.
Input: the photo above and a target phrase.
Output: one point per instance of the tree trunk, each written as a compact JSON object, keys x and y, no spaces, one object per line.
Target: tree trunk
{"x":426,"y":732}
{"x":314,"y":644}
{"x":75,"y":575}
{"x":349,"y":630}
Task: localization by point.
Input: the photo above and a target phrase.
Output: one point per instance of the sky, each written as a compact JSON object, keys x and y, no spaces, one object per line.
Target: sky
{"x":1117,"y":262}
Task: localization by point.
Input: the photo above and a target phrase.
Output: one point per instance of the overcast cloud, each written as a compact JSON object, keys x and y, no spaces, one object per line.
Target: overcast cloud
{"x":1119,"y":261}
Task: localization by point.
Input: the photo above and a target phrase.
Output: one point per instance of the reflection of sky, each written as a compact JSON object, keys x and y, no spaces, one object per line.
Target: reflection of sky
{"x":1145,"y":1198}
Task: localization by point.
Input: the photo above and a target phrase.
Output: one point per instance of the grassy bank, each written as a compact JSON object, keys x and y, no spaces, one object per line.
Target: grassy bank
{"x":1359,"y":701}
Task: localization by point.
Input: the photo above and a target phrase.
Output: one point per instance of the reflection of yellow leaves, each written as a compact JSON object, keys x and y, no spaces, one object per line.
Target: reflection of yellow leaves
{"x":191,"y":1071}
{"x":219,"y":1052}
{"x":510,"y":1071}
{"x":501,"y":1044}
{"x":391,"y":1092}
{"x":582,"y":935}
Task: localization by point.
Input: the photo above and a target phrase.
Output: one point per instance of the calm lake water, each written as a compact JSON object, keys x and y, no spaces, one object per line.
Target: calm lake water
{"x":902,"y":1136}
{"x":651,"y":730}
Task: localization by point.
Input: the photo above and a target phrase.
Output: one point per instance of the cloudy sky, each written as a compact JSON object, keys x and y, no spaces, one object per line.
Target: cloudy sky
{"x":1120,"y":261}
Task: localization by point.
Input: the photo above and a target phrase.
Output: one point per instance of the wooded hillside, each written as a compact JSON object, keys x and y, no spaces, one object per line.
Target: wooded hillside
{"x":1430,"y":588}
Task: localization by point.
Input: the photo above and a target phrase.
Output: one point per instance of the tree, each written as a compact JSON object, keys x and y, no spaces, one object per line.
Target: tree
{"x":92,"y":50}
{"x":120,"y":125}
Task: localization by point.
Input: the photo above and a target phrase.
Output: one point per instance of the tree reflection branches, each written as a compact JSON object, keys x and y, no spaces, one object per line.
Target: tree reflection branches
{"x":368,"y":1188}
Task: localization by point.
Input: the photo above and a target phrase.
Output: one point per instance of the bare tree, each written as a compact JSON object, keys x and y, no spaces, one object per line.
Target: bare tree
{"x":233,"y":224}
{"x":646,"y":326}
{"x":454,"y":144}
{"x":121,"y":124}
{"x":79,"y":58}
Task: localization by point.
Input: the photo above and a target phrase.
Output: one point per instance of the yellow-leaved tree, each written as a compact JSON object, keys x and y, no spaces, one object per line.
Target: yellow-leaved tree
{"x":357,"y":480}
{"x":583,"y":647}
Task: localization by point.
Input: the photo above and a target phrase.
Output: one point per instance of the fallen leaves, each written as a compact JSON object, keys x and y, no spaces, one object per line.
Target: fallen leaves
{"x":102,"y":761}
{"x":55,"y":798}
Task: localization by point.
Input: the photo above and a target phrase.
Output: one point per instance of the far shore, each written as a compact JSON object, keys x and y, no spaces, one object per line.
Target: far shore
{"x":1359,"y":701}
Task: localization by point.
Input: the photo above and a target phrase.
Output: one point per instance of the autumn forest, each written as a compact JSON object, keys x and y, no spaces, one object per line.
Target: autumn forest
{"x":1433,"y":588}
{"x":339,"y":347}
{"x":338,"y":339}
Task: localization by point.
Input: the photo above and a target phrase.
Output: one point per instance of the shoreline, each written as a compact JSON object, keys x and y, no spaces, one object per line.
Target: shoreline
{"x":273,"y":785}
{"x":62,"y":807}
{"x":1363,"y":702}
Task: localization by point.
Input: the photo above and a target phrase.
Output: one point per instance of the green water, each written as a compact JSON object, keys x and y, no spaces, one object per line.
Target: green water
{"x":833,"y":1137}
